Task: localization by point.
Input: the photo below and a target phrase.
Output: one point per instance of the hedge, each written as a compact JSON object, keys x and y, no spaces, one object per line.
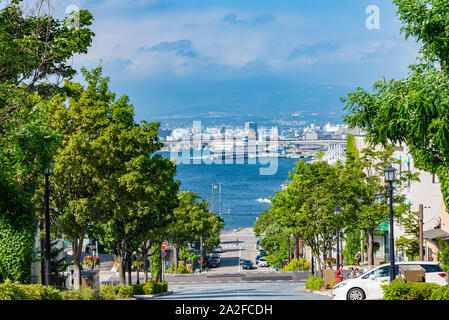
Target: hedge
{"x":314,"y":283}
{"x":442,"y":293}
{"x":15,"y":291}
{"x":401,"y":289}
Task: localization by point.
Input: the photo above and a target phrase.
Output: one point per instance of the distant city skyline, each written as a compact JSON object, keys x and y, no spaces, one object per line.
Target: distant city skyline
{"x":192,"y":56}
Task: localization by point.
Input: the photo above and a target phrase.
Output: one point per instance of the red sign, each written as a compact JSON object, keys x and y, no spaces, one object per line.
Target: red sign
{"x":164,"y":245}
{"x":164,"y":253}
{"x":200,"y":261}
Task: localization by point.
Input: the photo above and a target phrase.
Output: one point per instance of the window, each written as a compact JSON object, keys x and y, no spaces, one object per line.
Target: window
{"x":432,"y":267}
{"x":434,"y":178}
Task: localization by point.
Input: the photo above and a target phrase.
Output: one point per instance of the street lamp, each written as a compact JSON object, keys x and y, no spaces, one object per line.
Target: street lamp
{"x":337,"y":212}
{"x":47,"y":258}
{"x":389,"y":177}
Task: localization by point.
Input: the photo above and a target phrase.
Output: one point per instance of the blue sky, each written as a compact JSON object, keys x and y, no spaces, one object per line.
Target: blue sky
{"x":161,"y":51}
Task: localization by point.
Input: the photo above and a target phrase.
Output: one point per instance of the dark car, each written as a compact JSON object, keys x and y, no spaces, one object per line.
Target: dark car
{"x":263,"y":253}
{"x":248,"y":264}
{"x":213,"y":263}
{"x":243,"y":261}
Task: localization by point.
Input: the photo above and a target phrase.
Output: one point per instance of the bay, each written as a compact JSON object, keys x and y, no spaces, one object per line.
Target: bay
{"x":241,"y":186}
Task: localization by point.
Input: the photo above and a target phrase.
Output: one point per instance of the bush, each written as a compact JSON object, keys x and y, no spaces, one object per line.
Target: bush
{"x":15,"y":291}
{"x":295,"y":263}
{"x":315,"y":283}
{"x":81,"y":294}
{"x":153,"y":287}
{"x":332,"y":284}
{"x":138,"y":288}
{"x":401,"y":289}
{"x":108,"y":292}
{"x":182,"y":269}
{"x":441,"y":293}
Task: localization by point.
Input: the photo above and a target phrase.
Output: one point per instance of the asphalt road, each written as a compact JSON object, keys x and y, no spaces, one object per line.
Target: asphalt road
{"x":241,"y":291}
{"x":236,"y":246}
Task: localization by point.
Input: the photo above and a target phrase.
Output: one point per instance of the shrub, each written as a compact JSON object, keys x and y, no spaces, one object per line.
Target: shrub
{"x":81,"y":294}
{"x":15,"y":291}
{"x":441,"y":293}
{"x":182,"y":269}
{"x":108,"y":292}
{"x":153,"y":287}
{"x":124,"y":291}
{"x":401,"y":289}
{"x":295,"y":263}
{"x":315,"y":283}
{"x":332,"y":284}
{"x":138,"y":288}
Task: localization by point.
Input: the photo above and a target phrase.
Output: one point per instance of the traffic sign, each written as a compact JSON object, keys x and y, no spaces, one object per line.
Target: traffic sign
{"x":164,"y":245}
{"x":164,"y":253}
{"x":175,"y":246}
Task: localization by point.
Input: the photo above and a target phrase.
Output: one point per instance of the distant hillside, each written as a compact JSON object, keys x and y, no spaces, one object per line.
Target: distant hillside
{"x":261,"y":97}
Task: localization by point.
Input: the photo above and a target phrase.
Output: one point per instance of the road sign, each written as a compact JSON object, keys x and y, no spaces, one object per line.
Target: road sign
{"x":164,"y":245}
{"x":164,"y":253}
{"x":175,"y":246}
{"x":200,"y":261}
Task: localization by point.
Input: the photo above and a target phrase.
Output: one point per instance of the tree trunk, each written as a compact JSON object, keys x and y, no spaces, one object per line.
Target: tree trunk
{"x":176,"y":260}
{"x":144,"y":251}
{"x":77,"y":247}
{"x":129,"y":261}
{"x":121,"y":266}
{"x":370,"y":245}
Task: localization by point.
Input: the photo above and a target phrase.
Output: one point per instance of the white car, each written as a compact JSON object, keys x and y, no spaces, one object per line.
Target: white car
{"x":368,"y":285}
{"x":263,"y":262}
{"x":218,"y":249}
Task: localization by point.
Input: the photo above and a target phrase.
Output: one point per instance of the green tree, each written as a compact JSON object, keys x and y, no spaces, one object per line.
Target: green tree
{"x":307,"y":207}
{"x":413,"y":110}
{"x":35,"y":48}
{"x":409,"y":243}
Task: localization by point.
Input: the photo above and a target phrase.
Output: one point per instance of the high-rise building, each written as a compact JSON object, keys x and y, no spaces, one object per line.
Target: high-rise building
{"x":251,"y":129}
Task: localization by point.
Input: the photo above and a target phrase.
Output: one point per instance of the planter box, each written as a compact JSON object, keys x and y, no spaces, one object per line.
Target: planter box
{"x":90,"y":279}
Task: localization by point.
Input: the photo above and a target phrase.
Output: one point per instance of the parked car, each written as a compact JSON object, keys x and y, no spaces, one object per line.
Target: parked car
{"x":213,"y":263}
{"x":258,"y":258}
{"x":218,"y":249}
{"x":243,"y":261}
{"x":248,"y":264}
{"x":263,"y":262}
{"x":258,"y":244}
{"x":216,"y":256}
{"x":263,"y":253}
{"x":368,"y":285}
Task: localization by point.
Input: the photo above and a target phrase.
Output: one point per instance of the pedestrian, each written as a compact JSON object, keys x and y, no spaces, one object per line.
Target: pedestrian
{"x":356,"y":272}
{"x":351,"y":272}
{"x":339,"y":273}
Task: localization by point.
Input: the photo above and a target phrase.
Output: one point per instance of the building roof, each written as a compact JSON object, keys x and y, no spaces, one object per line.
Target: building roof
{"x":433,"y":234}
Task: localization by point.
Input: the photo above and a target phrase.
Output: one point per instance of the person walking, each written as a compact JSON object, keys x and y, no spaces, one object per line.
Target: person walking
{"x":339,"y":274}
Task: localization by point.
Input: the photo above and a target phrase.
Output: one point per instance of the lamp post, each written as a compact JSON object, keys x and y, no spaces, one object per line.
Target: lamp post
{"x":389,"y":177}
{"x":47,"y":257}
{"x":337,"y":212}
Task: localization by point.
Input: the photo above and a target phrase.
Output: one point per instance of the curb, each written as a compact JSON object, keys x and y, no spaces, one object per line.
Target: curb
{"x":146,"y":297}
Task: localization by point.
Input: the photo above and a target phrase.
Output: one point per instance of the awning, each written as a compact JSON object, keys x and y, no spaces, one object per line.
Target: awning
{"x":436,"y":233}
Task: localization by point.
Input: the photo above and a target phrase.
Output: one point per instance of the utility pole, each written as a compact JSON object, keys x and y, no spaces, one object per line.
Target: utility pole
{"x":421,"y":233}
{"x":219,"y":198}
